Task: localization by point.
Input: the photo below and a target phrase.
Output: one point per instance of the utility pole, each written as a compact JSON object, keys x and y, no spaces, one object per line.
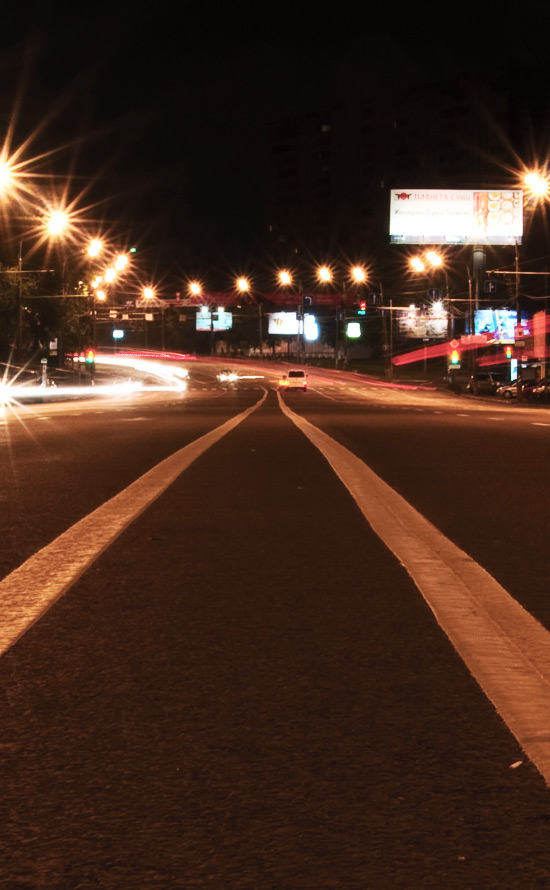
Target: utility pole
{"x":19,"y":337}
{"x":518,"y":324}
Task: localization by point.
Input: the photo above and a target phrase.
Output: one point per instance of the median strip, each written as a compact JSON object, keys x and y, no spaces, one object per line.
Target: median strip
{"x":30,"y":590}
{"x":504,"y":647}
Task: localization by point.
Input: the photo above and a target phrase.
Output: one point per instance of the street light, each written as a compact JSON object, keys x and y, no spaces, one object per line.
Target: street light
{"x":6,"y":176}
{"x":537,"y":183}
{"x":285,"y":278}
{"x":121,"y":262}
{"x":95,"y":247}
{"x":243,"y":286}
{"x":56,"y":223}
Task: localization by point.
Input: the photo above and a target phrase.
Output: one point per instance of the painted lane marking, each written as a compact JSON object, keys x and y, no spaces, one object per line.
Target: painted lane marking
{"x":30,"y":590}
{"x":505,"y":648}
{"x":536,"y":423}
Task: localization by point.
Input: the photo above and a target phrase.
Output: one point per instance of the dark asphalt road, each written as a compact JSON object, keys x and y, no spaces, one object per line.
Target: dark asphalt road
{"x":247,"y":690}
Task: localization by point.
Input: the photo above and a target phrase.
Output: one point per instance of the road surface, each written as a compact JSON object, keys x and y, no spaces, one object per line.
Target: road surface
{"x":227,"y":677}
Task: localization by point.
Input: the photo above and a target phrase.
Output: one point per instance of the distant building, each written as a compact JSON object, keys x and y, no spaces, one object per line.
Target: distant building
{"x":329,"y":172}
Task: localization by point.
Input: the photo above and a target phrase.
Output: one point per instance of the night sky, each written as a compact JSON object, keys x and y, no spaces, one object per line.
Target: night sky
{"x":163,"y":110}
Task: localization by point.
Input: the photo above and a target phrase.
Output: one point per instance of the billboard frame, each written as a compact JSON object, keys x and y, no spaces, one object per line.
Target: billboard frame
{"x":456,"y":216}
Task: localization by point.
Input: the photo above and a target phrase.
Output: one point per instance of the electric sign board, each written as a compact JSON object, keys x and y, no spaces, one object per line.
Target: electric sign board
{"x":501,"y":323}
{"x":456,"y":216}
{"x":287,"y":324}
{"x":222,"y":320}
{"x":426,"y":324}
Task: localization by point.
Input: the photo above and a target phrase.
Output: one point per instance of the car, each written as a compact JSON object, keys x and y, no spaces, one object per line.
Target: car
{"x":487,"y":382}
{"x":510,"y":390}
{"x":297,"y":380}
{"x":541,"y":390}
{"x":227,"y":376}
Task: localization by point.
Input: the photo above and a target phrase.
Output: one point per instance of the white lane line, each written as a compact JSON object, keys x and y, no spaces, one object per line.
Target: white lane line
{"x":537,"y":423}
{"x":504,"y":647}
{"x":30,"y":590}
{"x":324,"y":394}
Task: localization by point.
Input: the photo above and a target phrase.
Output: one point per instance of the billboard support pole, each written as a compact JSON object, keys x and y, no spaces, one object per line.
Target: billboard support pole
{"x":518,"y":322}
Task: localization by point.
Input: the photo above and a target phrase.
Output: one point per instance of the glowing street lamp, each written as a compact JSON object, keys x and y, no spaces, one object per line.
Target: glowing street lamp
{"x":537,"y":183}
{"x":285,"y":278}
{"x":359,"y":274}
{"x":121,"y":262}
{"x":57,"y":223}
{"x":6,"y":176}
{"x":243,"y":285}
{"x":148,"y":293}
{"x":95,"y":247}
{"x":324,"y":274}
{"x":416,"y":264}
{"x":435,"y":259}
{"x":195,"y":289}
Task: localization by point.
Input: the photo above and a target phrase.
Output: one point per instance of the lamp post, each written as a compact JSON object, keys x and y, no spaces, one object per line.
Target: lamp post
{"x":286,"y":279}
{"x":536,"y":183}
{"x":243,"y":286}
{"x":431,"y":260}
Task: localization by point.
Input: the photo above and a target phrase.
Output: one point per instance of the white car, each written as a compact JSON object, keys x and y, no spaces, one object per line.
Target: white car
{"x":294,"y":380}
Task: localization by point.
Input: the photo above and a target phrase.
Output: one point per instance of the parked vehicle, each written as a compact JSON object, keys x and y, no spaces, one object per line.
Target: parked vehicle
{"x":541,"y":390}
{"x":487,"y":382}
{"x":510,"y":390}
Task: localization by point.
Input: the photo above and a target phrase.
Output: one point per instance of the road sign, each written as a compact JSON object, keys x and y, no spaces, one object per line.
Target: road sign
{"x":434,"y":293}
{"x":490,"y":286}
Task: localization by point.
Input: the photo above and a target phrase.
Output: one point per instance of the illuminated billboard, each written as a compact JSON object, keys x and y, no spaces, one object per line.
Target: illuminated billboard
{"x":286,"y":324}
{"x":222,"y":320}
{"x":426,"y":324}
{"x":456,"y":216}
{"x":501,"y":323}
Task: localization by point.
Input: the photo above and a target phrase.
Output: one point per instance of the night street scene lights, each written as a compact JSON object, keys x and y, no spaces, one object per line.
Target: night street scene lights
{"x":430,"y":260}
{"x":56,"y":223}
{"x":537,"y":185}
{"x":95,"y":247}
{"x":284,"y":278}
{"x":324,"y":274}
{"x":359,"y":274}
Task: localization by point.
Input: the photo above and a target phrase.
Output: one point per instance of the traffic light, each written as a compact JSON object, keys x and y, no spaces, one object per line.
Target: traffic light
{"x":455,"y":359}
{"x":362,"y":308}
{"x":508,"y":352}
{"x":89,"y":359}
